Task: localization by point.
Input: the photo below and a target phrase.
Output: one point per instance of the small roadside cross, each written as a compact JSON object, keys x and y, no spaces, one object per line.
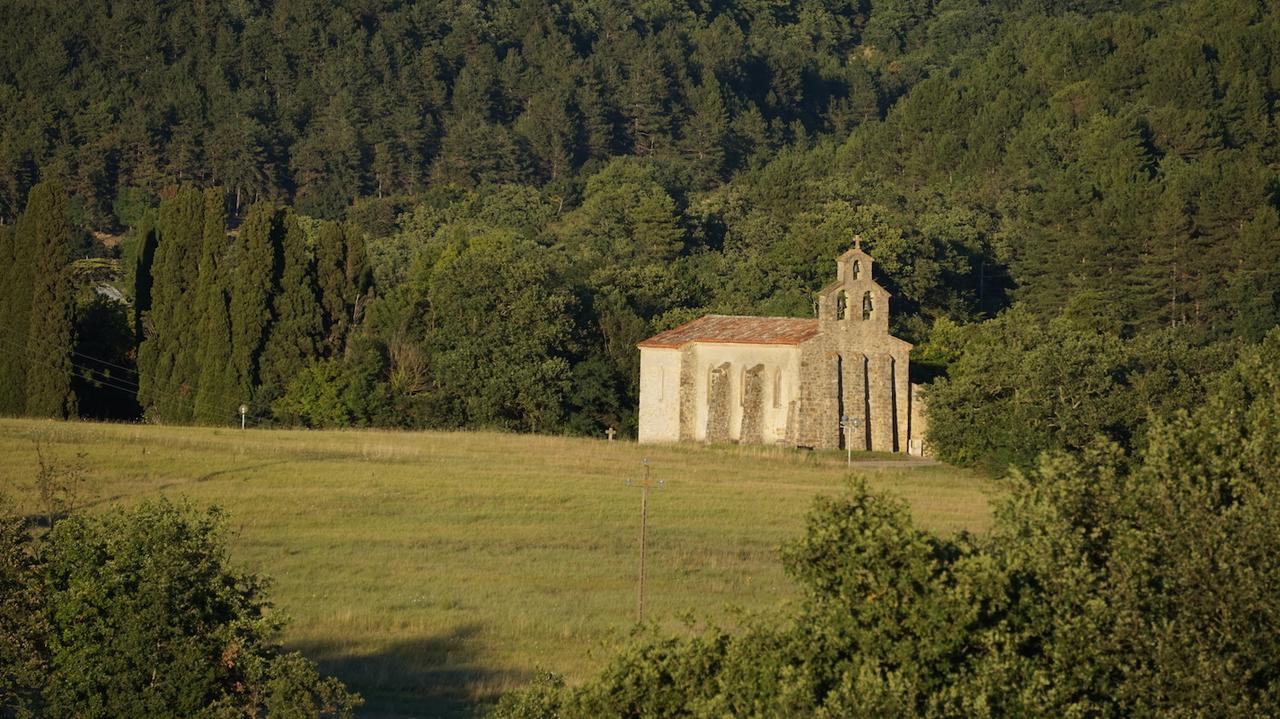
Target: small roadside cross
{"x":610,"y":432}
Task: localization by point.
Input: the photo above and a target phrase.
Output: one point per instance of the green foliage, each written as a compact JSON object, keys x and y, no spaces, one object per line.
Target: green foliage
{"x":216,"y":399}
{"x":15,"y":298}
{"x":104,"y":355}
{"x":167,"y":357}
{"x":1018,"y":387}
{"x":351,"y":391}
{"x":132,"y":591}
{"x":498,"y":329}
{"x":23,"y":623}
{"x":345,"y":280}
{"x":297,"y":327}
{"x":527,"y":92}
{"x":253,"y":269}
{"x":44,"y":232}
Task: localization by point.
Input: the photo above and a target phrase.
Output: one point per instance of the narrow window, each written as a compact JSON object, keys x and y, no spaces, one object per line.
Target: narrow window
{"x":866,"y":305}
{"x":842,"y":304}
{"x":857,"y":269}
{"x":777,"y":388}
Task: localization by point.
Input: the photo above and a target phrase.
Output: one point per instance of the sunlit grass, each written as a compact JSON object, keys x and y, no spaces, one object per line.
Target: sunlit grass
{"x":432,"y":571}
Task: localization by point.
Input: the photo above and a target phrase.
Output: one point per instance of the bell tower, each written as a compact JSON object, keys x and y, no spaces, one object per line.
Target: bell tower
{"x":854,"y":302}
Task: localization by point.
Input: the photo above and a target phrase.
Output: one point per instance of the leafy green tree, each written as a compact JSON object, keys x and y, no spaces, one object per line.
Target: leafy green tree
{"x":493,"y":296}
{"x":349,"y":391}
{"x":45,"y":232}
{"x":328,"y":159}
{"x":1020,"y":388}
{"x":132,"y":591}
{"x":104,"y":353}
{"x":644,"y":102}
{"x":23,"y":620}
{"x":1116,"y":554}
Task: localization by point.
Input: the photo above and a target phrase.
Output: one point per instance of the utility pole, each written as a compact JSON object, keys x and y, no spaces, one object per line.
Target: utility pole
{"x":644,"y":522}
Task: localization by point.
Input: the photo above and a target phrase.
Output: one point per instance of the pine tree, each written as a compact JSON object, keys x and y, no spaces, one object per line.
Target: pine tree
{"x":705,"y":133}
{"x":167,"y":367}
{"x":15,"y":314}
{"x":252,"y":271}
{"x":647,"y":92}
{"x":298,"y":326}
{"x":654,"y":227}
{"x":50,"y":334}
{"x":216,"y":397}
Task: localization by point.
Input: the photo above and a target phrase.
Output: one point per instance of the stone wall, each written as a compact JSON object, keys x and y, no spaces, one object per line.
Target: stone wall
{"x":689,"y":395}
{"x":752,"y":431}
{"x":778,"y":385}
{"x":718,"y":409}
{"x":919,"y":444}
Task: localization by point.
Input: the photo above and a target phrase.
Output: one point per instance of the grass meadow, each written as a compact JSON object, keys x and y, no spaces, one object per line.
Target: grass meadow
{"x":433,"y":571}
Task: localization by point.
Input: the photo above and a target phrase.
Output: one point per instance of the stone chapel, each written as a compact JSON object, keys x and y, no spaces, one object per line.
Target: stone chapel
{"x":833,"y":382}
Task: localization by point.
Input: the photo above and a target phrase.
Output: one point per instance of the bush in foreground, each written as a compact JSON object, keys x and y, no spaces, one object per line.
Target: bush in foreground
{"x":138,"y":613}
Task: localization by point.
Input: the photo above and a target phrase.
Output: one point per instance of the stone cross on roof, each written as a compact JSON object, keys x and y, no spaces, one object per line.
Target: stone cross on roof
{"x":857,"y":242}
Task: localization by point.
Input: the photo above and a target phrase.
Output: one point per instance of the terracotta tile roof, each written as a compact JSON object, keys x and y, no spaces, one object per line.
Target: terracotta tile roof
{"x":724,"y":329}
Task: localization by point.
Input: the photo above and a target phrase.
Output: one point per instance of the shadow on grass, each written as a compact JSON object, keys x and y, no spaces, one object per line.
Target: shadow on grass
{"x":422,"y":677}
{"x":206,"y":477}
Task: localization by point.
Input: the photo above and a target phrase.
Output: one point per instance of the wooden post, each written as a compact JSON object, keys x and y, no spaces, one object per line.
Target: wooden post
{"x":644,"y":522}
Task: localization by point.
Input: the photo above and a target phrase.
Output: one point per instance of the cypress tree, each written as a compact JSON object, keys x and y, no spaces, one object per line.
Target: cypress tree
{"x":166,"y":359}
{"x":251,"y":276}
{"x":216,"y":395}
{"x":140,"y":253}
{"x":298,"y":326}
{"x":45,"y":232}
{"x":15,"y":303}
{"x":343,"y":276}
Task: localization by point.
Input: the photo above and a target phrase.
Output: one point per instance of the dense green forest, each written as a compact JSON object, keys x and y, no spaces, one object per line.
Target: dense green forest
{"x":440,"y":214}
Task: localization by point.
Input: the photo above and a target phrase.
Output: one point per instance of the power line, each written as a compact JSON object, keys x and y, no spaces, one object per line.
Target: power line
{"x":106,"y":381}
{"x":232,"y":403}
{"x":127,"y":386}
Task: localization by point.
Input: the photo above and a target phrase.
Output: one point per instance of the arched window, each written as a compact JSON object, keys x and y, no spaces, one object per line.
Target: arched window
{"x":866,"y":305}
{"x":857,"y":269}
{"x":842,"y":304}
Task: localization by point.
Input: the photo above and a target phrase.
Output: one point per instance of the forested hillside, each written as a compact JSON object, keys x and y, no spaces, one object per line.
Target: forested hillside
{"x":442,"y":214}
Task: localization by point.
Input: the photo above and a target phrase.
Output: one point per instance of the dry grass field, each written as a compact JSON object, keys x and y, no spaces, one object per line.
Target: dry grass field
{"x":433,"y":571}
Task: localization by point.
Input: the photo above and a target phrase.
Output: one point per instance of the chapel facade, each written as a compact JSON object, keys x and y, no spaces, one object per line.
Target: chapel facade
{"x":833,"y":382}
